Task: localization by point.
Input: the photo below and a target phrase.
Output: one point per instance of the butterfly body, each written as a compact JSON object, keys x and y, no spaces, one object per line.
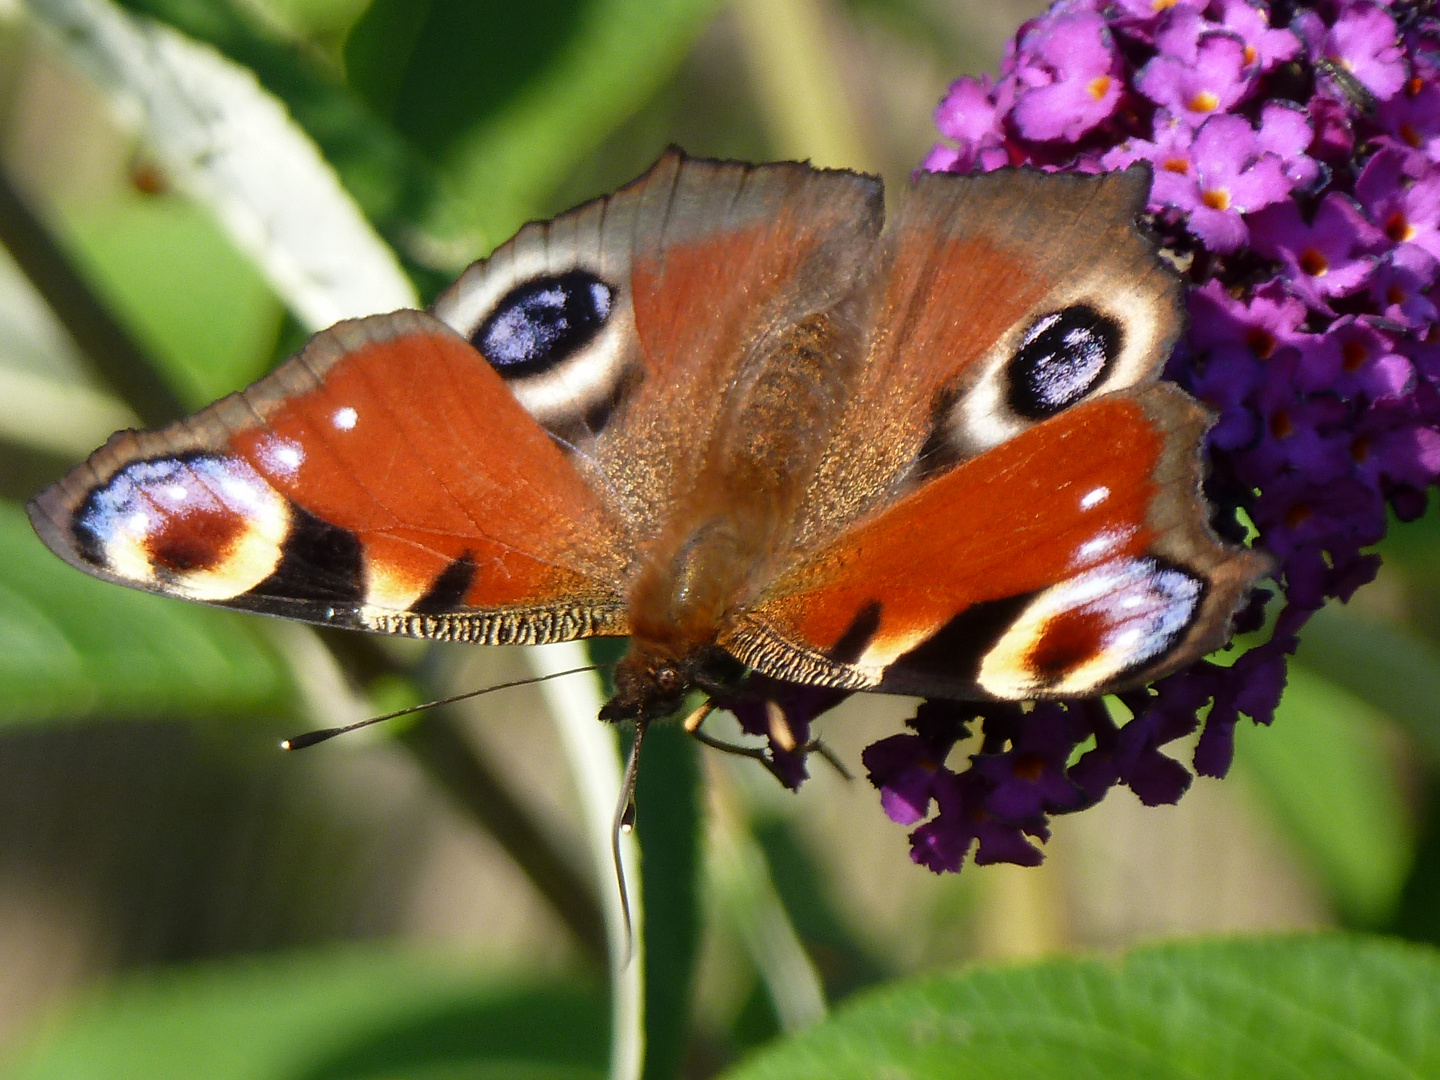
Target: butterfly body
{"x":732,"y":413}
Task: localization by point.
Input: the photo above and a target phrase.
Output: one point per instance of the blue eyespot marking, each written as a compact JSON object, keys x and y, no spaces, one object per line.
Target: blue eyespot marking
{"x":1062,"y":357}
{"x":540,"y":323}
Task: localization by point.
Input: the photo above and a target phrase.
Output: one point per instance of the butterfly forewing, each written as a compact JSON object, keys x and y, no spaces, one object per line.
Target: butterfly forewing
{"x":383,"y":479}
{"x":703,"y":264}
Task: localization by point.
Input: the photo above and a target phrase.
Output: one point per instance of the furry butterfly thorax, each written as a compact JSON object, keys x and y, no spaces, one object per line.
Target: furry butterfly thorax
{"x":732,"y":413}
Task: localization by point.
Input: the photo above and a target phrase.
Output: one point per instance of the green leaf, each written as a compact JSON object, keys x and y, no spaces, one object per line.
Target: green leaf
{"x":172,"y":275}
{"x":1324,"y":766}
{"x":464,"y":115}
{"x":71,"y":646}
{"x":345,"y":1014}
{"x":1313,"y":1008}
{"x":235,"y":149}
{"x":506,"y":98}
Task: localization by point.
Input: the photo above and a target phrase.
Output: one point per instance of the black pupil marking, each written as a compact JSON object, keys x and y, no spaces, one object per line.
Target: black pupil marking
{"x":540,"y":323}
{"x":1061,"y":359}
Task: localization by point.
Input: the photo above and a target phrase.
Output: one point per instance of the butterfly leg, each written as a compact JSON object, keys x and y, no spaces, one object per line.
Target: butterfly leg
{"x":697,"y":718}
{"x":815,"y":746}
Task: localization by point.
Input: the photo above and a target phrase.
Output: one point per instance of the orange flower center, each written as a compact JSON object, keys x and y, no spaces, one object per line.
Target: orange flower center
{"x":1204,"y":101}
{"x":1099,"y":86}
{"x":1298,"y":514}
{"x":1281,"y":426}
{"x":1262,"y":343}
{"x":1353,"y":355}
{"x":1395,"y":295}
{"x":1216,"y":199}
{"x":1250,"y":55}
{"x":1360,"y":449}
{"x":1178,"y":165}
{"x":1410,"y":135}
{"x":1314,"y":263}
{"x":1028,"y":767}
{"x":1398,"y":227}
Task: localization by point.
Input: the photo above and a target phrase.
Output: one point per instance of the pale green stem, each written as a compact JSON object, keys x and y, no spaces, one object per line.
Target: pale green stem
{"x":796,"y":77}
{"x":65,"y":419}
{"x":231,"y":145}
{"x":592,"y":749}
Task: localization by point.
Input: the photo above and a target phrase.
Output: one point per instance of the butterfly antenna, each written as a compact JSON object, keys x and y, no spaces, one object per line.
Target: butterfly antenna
{"x":310,"y":738}
{"x":625,"y":823}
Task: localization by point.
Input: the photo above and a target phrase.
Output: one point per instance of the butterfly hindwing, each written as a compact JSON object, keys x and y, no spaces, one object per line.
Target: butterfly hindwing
{"x":1105,"y":573}
{"x":1009,"y":506}
{"x":383,"y":479}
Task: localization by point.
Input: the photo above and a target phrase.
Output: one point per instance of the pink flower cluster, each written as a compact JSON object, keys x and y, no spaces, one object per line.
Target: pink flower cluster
{"x":1296,"y":156}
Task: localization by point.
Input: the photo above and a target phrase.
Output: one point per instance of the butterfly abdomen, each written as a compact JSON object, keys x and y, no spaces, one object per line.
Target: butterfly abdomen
{"x":736,"y":524}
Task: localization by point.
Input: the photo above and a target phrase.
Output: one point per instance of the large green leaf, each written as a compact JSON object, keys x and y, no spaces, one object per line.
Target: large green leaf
{"x":469,"y":113}
{"x":1325,"y":767}
{"x":350,"y":1014}
{"x":71,"y":646}
{"x":173,"y":276}
{"x":1292,"y":1008}
{"x":506,"y":98}
{"x":387,"y":176}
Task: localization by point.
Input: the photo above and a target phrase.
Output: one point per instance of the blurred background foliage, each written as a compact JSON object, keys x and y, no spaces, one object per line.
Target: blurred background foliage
{"x":416,"y":903}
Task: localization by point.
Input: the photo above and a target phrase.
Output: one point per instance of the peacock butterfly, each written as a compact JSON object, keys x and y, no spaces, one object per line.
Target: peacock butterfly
{"x":730,"y":412}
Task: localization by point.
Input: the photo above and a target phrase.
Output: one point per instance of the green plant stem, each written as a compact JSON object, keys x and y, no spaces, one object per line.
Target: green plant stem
{"x":741,"y":879}
{"x":592,"y":750}
{"x":796,"y":80}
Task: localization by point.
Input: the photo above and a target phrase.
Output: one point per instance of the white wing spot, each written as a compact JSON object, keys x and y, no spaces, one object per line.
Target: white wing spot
{"x":1094,"y":498}
{"x":1100,"y":546}
{"x":345,"y":418}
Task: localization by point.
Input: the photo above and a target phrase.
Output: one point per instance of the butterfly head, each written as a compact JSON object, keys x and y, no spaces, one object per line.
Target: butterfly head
{"x":651,"y":682}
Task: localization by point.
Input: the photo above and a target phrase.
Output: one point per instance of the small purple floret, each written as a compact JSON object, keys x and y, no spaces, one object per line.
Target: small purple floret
{"x":1067,"y":78}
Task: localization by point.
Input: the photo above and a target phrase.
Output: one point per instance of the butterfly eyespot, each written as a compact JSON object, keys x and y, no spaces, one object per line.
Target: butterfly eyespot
{"x":1061,"y":359}
{"x":1091,"y":629}
{"x":207,"y":527}
{"x":543,"y":321}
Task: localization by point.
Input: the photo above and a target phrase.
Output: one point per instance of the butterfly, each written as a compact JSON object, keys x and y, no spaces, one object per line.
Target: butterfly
{"x":732,"y":413}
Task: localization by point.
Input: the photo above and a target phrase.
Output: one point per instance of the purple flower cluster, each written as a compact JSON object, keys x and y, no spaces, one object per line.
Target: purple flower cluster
{"x":1296,"y":156}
